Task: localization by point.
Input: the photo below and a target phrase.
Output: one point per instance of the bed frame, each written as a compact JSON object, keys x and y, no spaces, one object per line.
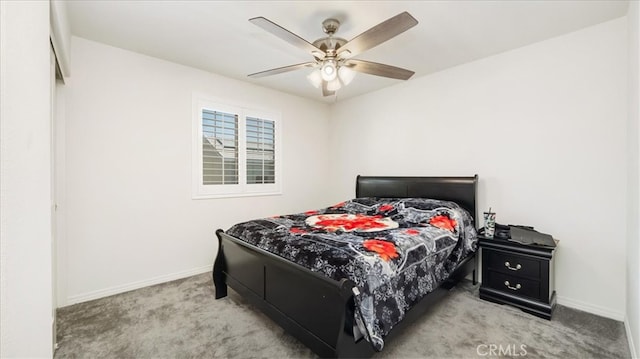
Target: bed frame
{"x":318,"y":310}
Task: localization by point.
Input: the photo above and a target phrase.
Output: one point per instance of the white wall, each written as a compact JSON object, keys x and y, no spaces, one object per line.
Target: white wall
{"x":26,"y":314}
{"x":544,"y":128}
{"x":129,"y":213}
{"x":633,"y":213}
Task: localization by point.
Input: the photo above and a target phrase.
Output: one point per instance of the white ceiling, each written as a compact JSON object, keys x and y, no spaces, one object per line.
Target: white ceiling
{"x":216,"y":36}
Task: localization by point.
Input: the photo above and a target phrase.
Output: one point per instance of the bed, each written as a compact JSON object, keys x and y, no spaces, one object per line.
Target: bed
{"x":329,"y":308}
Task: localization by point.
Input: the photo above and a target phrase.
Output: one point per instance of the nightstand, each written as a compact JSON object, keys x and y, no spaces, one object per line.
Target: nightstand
{"x":518,"y":275}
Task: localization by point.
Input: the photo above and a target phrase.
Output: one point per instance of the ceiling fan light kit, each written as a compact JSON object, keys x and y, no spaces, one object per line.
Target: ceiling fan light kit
{"x":315,"y":78}
{"x":346,"y":75}
{"x":334,"y":66}
{"x":329,"y":70}
{"x":334,"y":85}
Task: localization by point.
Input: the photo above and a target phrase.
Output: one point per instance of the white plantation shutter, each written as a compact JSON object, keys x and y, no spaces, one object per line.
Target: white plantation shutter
{"x":236,"y":151}
{"x":260,"y":151}
{"x":219,"y":148}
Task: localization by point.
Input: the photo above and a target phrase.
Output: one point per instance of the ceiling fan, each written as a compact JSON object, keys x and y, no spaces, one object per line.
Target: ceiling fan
{"x":333,"y":56}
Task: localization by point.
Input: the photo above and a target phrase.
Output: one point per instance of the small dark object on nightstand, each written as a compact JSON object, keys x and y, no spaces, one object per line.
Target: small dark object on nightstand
{"x":531,"y":237}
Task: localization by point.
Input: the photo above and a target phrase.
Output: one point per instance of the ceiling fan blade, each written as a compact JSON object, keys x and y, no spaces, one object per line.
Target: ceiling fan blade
{"x":374,"y":68}
{"x":280,"y":70}
{"x":379,"y":34}
{"x":325,"y":91}
{"x":287,"y":36}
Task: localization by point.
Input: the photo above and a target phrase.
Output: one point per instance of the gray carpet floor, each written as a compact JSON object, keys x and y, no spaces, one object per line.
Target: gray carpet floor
{"x":181,"y":319}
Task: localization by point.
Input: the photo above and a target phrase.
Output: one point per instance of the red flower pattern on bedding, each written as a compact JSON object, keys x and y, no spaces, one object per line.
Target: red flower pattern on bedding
{"x":443,"y":222}
{"x":386,"y":250}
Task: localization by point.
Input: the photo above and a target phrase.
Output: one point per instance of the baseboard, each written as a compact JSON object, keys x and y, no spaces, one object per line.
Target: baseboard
{"x":632,"y":347}
{"x":84,"y":297}
{"x":590,"y":308}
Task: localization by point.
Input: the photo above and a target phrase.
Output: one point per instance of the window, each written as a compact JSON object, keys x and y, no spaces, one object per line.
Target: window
{"x":235,"y":151}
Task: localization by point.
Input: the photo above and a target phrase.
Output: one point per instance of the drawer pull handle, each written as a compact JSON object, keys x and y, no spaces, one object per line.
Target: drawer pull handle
{"x":508,"y":265}
{"x":518,"y":286}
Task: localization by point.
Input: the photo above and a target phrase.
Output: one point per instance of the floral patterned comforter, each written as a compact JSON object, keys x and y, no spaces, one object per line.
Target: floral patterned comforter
{"x":396,"y":250}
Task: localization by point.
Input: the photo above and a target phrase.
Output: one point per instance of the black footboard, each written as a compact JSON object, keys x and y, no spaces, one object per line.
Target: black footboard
{"x":315,"y":309}
{"x":292,"y":296}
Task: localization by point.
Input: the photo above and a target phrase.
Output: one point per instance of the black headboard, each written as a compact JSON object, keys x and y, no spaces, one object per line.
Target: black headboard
{"x":461,"y":190}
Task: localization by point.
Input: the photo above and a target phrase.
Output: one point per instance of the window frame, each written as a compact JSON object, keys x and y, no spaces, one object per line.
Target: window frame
{"x":242,"y":189}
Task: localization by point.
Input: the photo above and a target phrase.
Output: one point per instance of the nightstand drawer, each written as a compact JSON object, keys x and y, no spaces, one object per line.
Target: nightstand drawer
{"x":513,"y":284}
{"x":513,"y":264}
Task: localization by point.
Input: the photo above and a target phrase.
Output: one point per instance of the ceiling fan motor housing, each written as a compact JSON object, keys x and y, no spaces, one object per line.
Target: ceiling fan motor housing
{"x":330,"y":44}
